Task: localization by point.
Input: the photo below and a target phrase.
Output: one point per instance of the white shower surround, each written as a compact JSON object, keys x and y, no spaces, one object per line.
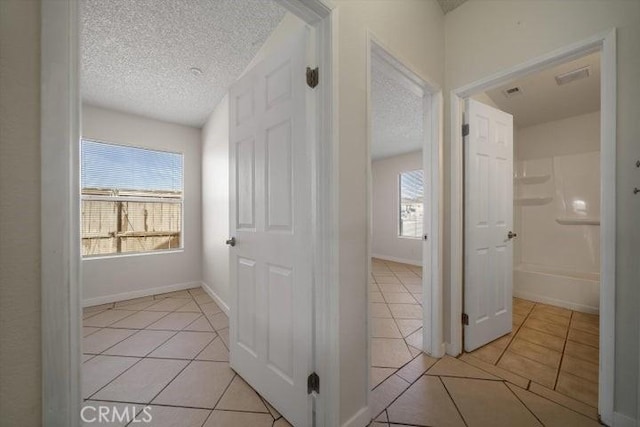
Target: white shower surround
{"x":564,"y":288}
{"x":557,"y":213}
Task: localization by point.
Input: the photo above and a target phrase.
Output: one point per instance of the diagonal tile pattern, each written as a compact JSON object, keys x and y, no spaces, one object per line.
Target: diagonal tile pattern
{"x":542,"y":374}
{"x":396,"y":316}
{"x":551,"y":346}
{"x":169,"y":352}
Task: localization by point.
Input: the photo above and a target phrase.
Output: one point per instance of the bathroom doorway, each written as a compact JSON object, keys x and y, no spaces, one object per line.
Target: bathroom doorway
{"x":532,"y":264}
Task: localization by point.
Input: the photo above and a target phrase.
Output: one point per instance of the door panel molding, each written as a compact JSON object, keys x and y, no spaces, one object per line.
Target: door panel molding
{"x":489,"y":263}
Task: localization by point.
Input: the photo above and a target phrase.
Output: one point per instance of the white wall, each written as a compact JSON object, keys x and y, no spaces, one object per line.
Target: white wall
{"x":568,"y":151}
{"x":20,"y":308}
{"x":386,"y":243}
{"x":114,"y":278}
{"x":484,"y":37}
{"x":413,"y":30}
{"x":574,"y":135}
{"x":215,"y":202}
{"x":215,"y":177}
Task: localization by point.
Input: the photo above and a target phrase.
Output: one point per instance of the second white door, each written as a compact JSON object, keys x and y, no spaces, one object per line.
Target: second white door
{"x":488,"y":272}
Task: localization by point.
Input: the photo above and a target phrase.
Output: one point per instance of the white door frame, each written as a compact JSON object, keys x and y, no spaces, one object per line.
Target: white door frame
{"x":433,"y":342}
{"x":606,"y":44}
{"x":60,"y":207}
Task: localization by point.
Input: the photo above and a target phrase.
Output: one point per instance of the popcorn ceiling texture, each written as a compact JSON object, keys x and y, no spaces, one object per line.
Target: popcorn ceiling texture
{"x":397,"y":117}
{"x":136,"y":54}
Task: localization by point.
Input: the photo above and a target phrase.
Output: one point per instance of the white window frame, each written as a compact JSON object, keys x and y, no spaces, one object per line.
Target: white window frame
{"x":399,"y":206}
{"x":137,"y":199}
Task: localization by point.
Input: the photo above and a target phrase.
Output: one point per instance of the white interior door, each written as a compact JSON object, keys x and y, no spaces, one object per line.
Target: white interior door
{"x":270,"y":219}
{"x":488,"y":195}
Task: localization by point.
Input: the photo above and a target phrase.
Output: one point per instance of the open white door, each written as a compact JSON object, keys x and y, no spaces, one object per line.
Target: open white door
{"x":270,"y":219}
{"x":488,"y":197}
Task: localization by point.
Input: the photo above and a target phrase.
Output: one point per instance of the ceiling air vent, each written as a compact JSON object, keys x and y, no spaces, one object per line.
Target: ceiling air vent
{"x":512,"y":91}
{"x":572,"y":76}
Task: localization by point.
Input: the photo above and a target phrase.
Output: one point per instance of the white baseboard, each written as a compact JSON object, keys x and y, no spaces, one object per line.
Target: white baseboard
{"x":554,"y":301}
{"x":360,"y":419}
{"x":395,"y":259}
{"x":89,"y":302}
{"x":223,"y":305}
{"x":620,"y":420}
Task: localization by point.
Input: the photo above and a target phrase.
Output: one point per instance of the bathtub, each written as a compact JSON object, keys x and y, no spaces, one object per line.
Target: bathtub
{"x":569,"y":289}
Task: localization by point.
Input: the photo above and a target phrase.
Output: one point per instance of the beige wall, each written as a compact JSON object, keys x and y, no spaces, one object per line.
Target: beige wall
{"x":483,"y":37}
{"x":414,"y":31}
{"x":20,"y":213}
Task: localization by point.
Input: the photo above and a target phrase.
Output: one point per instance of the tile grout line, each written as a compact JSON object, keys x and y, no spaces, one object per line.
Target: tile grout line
{"x":115,"y":321}
{"x":562,"y":405}
{"x":145,"y":329}
{"x":164,"y":405}
{"x":514,"y":335}
{"x":453,"y":401}
{"x":524,"y":404}
{"x":404,"y":391}
{"x":564,"y":348}
{"x":130,"y":367}
{"x":209,"y":321}
{"x":130,"y":336}
{"x":188,"y":362}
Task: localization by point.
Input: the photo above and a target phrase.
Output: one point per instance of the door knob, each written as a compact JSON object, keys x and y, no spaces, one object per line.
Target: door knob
{"x":511,"y":235}
{"x":231,"y":241}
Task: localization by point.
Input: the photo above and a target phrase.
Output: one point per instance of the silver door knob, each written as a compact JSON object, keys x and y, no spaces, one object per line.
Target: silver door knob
{"x":511,"y":235}
{"x":231,"y":241}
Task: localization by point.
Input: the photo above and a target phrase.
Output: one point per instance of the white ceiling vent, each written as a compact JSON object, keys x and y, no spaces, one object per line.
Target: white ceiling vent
{"x":572,"y":76}
{"x":512,"y":91}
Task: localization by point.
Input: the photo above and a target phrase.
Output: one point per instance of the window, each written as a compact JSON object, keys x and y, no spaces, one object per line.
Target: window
{"x":131,"y":199}
{"x":411,"y":203}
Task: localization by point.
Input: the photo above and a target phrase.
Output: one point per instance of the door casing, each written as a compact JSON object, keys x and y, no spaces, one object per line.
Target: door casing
{"x":60,"y":207}
{"x":432,"y":163}
{"x":605,"y":43}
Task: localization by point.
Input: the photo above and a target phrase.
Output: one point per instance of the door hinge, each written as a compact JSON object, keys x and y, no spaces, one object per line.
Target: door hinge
{"x":465,"y":129}
{"x":313,"y":383}
{"x":312,"y":77}
{"x":425,"y":237}
{"x":465,"y":319}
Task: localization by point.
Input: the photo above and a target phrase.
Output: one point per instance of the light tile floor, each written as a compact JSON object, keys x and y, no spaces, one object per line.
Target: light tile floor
{"x":410,"y":388}
{"x":168,"y":352}
{"x":551,"y":346}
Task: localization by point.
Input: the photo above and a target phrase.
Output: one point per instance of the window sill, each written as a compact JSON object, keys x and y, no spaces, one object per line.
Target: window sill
{"x":410,"y":237}
{"x":131,"y":254}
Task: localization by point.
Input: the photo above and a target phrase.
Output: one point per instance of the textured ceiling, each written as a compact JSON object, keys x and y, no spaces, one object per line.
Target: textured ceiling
{"x":542,"y":100}
{"x":397,"y":116}
{"x":449,"y":5}
{"x":137,"y":54}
